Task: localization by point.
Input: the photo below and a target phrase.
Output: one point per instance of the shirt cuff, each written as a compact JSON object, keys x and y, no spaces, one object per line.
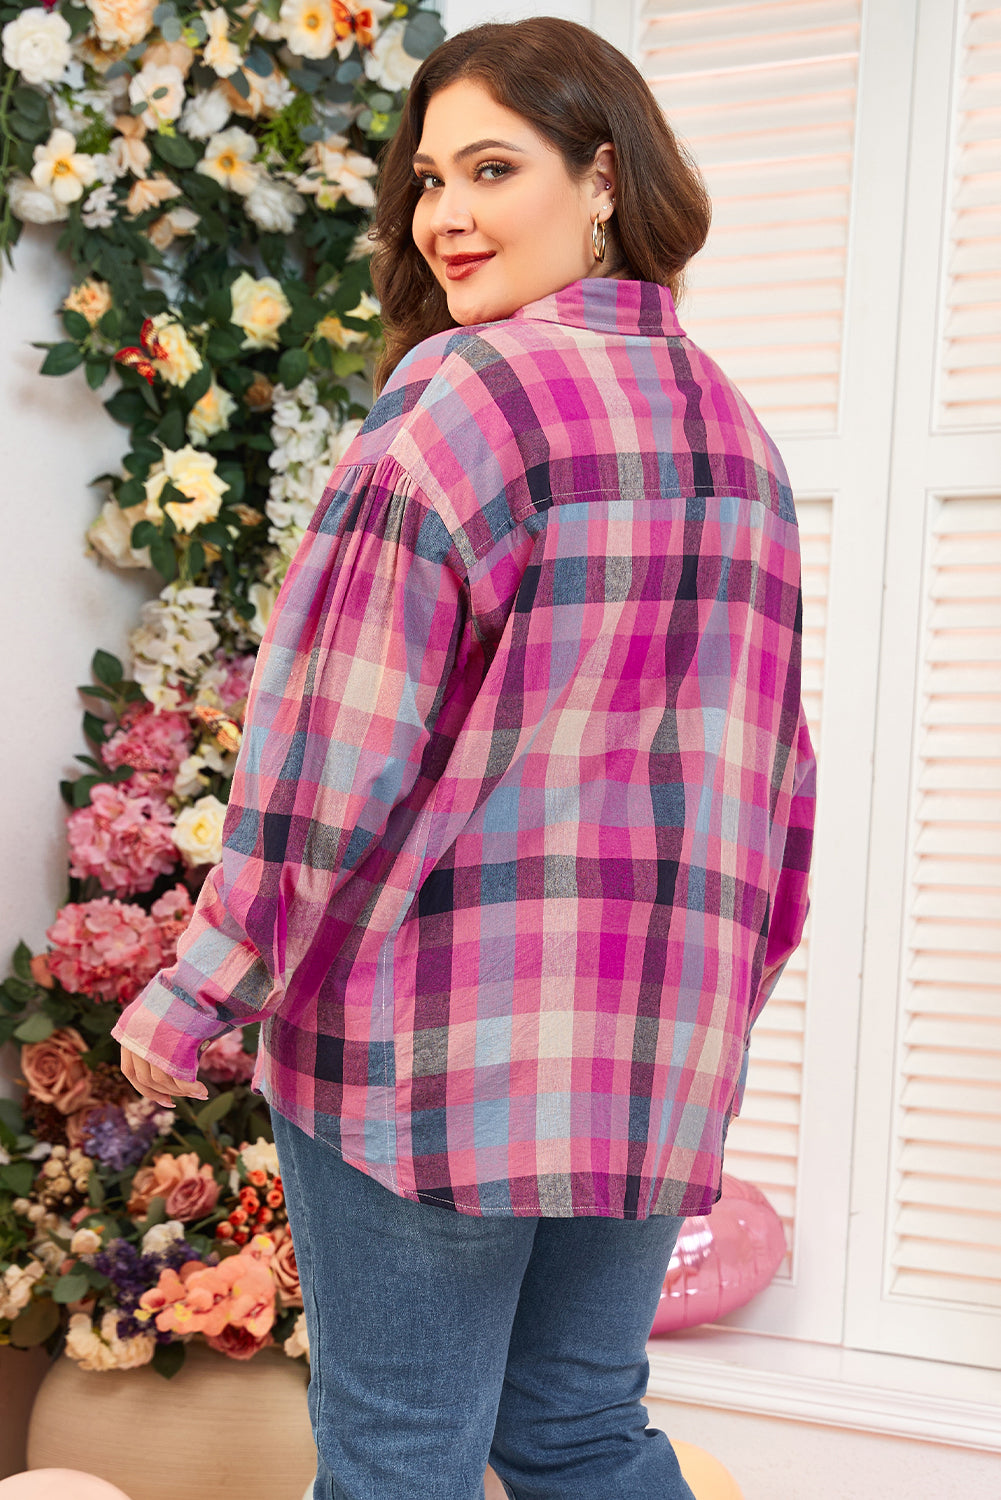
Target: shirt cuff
{"x":167,"y":1030}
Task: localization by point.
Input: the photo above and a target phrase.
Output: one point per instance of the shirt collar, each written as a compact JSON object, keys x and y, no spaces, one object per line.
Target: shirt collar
{"x":605,"y":305}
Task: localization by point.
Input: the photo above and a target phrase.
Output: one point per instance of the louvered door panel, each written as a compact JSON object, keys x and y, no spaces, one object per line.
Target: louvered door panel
{"x":947,"y":1227}
{"x":970,"y":343}
{"x":763,"y":1145}
{"x":765,"y":97}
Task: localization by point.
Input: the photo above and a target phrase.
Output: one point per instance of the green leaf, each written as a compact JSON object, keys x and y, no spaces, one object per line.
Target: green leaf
{"x":143,"y":534}
{"x":196,"y":559}
{"x":259,"y":62}
{"x":195,"y":388}
{"x":168,"y":1359}
{"x":106,"y":668}
{"x":17,"y":1177}
{"x":156,"y":1213}
{"x":125,"y":406}
{"x":81,"y":789}
{"x":20,"y":990}
{"x":97,"y":370}
{"x":293,"y":367}
{"x":164,"y":558}
{"x":61,"y":359}
{"x":98,"y":1022}
{"x":95,"y":1190}
{"x":170,"y":430}
{"x":175,"y":150}
{"x":223,"y":346}
{"x":11,"y":1115}
{"x":241,"y":83}
{"x":130,"y":492}
{"x":110,"y":324}
{"x":31,"y":103}
{"x":70,"y":1288}
{"x":22,"y":962}
{"x":424,"y":32}
{"x":76,"y":324}
{"x":212,"y":1112}
{"x":94,"y":728}
{"x":34,"y":1028}
{"x":35,"y":1324}
{"x":233,"y":475}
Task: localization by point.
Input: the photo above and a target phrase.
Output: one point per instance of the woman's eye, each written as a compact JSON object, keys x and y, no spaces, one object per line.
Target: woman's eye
{"x":427,"y":180}
{"x":493,"y":170}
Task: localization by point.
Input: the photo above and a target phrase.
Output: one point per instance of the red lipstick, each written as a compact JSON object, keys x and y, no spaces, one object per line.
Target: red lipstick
{"x":458,"y":267}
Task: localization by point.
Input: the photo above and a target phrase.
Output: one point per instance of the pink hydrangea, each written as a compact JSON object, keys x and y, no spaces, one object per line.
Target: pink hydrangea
{"x":172,"y":913}
{"x":149,"y":741}
{"x":105,"y":949}
{"x":224,"y":1060}
{"x":123,"y":838}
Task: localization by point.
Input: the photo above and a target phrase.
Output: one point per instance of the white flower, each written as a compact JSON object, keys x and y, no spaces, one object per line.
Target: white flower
{"x":76,"y":112}
{"x":122,"y":22}
{"x":180,"y":359}
{"x":99,"y":209}
{"x":276,"y":92}
{"x":262,"y":596}
{"x":210,"y":414}
{"x":160,"y":86}
{"x":219,"y":52}
{"x":85,"y":1242}
{"x":140,"y":1112}
{"x":196,"y":476}
{"x":16,"y":1287}
{"x":190,"y":780}
{"x":260,"y":307}
{"x":162,"y":1236}
{"x":308,"y":27}
{"x":128,"y":153}
{"x":173,"y":642}
{"x":229,"y":160}
{"x":296,"y":1346}
{"x":197,"y":832}
{"x":338,"y":172}
{"x":34,"y":205}
{"x":273,"y":205}
{"x":205,"y":114}
{"x":111,"y":535}
{"x":261,"y":1156}
{"x":36,"y":44}
{"x":388,"y":63}
{"x":61,"y":169}
{"x":102,"y":1349}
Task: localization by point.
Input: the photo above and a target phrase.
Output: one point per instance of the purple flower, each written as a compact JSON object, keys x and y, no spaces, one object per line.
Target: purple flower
{"x":108,"y":1136}
{"x":131,"y":1273}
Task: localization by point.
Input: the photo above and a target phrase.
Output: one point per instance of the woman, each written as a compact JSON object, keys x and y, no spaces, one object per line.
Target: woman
{"x":519,"y":835}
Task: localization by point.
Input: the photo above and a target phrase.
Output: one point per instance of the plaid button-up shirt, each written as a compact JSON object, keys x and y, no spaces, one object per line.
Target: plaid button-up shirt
{"x":519,"y":834}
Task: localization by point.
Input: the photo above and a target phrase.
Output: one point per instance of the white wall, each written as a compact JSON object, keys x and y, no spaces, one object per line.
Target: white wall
{"x":57,"y":604}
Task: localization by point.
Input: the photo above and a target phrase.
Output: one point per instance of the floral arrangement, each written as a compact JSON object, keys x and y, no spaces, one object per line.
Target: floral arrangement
{"x":209,"y":172}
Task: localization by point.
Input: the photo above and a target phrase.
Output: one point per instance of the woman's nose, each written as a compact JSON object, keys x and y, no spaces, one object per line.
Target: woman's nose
{"x":451,"y":213}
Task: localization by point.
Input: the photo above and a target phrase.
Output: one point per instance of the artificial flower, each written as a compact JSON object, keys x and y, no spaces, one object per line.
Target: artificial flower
{"x":262,"y":596}
{"x":172,"y":913}
{"x":123,"y":839}
{"x":286,"y":1273}
{"x":210,"y":414}
{"x":55,"y":1072}
{"x":180,"y":359}
{"x":170,"y":54}
{"x":308,"y":27}
{"x":198,"y":831}
{"x":100,"y":1348}
{"x":61,"y":169}
{"x":148,"y":192}
{"x":273,"y":205}
{"x":229,"y":160}
{"x":160,"y":88}
{"x":36,"y":44}
{"x":205,"y":115}
{"x":148,"y":741}
{"x":269,"y":94}
{"x":387,"y":62}
{"x":111,"y":535}
{"x":225,"y":1061}
{"x":195,"y":475}
{"x":85,"y":1242}
{"x":17,"y":1285}
{"x":158,"y":1239}
{"x":34,"y":205}
{"x":91,"y":297}
{"x":358,"y":22}
{"x":219,"y":53}
{"x":173,"y":640}
{"x":296,"y":1346}
{"x":122,"y":22}
{"x":260,"y":307}
{"x":128,"y":151}
{"x":103,"y":948}
{"x":335,"y":171}
{"x":172,"y":225}
{"x":99,"y":208}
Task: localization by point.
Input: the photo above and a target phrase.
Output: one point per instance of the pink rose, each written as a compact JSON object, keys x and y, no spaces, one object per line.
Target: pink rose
{"x":55,"y":1073}
{"x":124,"y":837}
{"x":238,"y":1343}
{"x":224,"y":1060}
{"x":160,"y":1179}
{"x":104,"y":949}
{"x":286,"y":1274}
{"x":193,"y":1197}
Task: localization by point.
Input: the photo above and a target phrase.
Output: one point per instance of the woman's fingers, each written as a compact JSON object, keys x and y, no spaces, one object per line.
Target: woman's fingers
{"x":153,"y":1083}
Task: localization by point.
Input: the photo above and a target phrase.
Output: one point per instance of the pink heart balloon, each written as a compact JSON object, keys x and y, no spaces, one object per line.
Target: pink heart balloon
{"x":58,"y":1484}
{"x":721,"y":1262}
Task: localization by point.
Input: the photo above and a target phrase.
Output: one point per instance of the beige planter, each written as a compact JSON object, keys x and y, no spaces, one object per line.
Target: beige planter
{"x":219,"y":1428}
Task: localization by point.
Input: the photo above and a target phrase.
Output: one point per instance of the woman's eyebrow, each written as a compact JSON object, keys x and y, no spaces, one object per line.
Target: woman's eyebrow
{"x":469,"y":150}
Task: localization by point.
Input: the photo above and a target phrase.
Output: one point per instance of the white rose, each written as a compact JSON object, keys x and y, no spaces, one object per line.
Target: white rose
{"x":210,"y":414}
{"x":111,"y":536}
{"x":194,"y":474}
{"x":34,"y":205}
{"x":160,"y":86}
{"x":36,"y":44}
{"x":388,"y":63}
{"x":85,"y":1242}
{"x":261,"y":1156}
{"x":273,"y":205}
{"x":125,"y":22}
{"x":259,"y":308}
{"x":198,"y":831}
{"x":162,"y":1236}
{"x":205,"y":114}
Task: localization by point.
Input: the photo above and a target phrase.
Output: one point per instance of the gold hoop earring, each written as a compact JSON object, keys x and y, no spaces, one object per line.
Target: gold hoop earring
{"x":598,"y":238}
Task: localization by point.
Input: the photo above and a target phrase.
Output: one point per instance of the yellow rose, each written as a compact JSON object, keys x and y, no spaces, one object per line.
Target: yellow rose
{"x":92,"y":298}
{"x":259,"y":308}
{"x":198,"y":831}
{"x":181,"y":359}
{"x":123,"y":21}
{"x":210,"y":414}
{"x":194,"y":474}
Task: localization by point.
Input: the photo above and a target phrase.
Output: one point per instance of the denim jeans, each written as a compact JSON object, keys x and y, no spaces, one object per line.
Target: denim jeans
{"x":440,"y":1341}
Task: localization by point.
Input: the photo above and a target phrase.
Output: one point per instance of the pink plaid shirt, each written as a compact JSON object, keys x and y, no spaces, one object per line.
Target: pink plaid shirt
{"x":519,"y":836}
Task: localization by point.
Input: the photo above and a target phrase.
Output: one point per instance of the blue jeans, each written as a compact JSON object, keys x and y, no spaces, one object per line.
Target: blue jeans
{"x":440,"y":1341}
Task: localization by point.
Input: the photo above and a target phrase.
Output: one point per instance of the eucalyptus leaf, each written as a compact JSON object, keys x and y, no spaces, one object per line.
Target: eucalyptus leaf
{"x":241,"y":83}
{"x":34,"y":1028}
{"x":211,"y":1113}
{"x":258,"y":61}
{"x":17,"y":1177}
{"x":70,"y":1288}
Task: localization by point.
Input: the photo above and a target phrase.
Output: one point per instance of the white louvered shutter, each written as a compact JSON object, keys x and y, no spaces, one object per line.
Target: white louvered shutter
{"x":969,"y":391}
{"x":765,"y":97}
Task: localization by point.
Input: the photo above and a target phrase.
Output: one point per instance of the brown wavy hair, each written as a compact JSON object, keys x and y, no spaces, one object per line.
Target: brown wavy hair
{"x":577,"y":91}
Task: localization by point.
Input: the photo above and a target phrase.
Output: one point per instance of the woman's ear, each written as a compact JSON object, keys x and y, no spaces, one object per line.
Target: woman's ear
{"x":604,"y":179}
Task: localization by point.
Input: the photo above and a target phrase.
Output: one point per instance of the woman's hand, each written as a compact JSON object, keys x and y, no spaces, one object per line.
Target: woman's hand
{"x":154,"y":1083}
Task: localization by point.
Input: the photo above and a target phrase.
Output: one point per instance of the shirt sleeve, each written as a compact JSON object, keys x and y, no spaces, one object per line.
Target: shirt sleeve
{"x":348,"y":686}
